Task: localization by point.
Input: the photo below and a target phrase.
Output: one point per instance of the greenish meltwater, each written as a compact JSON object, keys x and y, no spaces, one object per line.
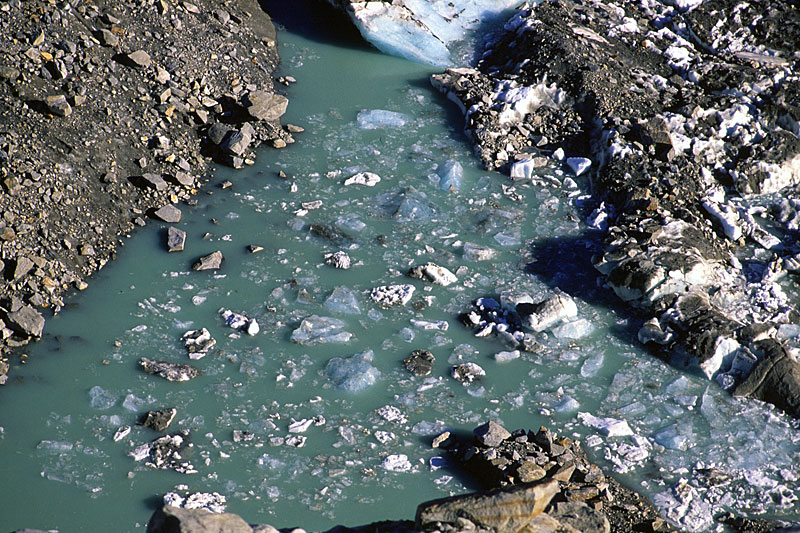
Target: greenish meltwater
{"x":273,"y":426}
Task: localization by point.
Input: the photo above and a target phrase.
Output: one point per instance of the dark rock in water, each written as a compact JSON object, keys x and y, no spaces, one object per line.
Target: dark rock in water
{"x":171,"y":519}
{"x":211,"y":261}
{"x":519,"y":506}
{"x":169,"y":371}
{"x":467,"y":373}
{"x":168,"y":213}
{"x":26,"y":321}
{"x":331,"y":234}
{"x":775,"y":379}
{"x":419,"y":363}
{"x":491,"y":434}
{"x":263,"y":105}
{"x":176,"y":239}
{"x":159,"y":420}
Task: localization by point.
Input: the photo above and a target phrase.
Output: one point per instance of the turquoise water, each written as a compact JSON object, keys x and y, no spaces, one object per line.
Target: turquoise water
{"x":64,"y":470}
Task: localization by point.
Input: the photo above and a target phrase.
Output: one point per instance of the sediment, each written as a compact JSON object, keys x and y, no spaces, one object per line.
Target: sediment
{"x":110,"y":111}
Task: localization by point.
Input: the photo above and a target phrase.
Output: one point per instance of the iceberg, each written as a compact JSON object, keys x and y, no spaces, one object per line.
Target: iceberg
{"x":425,"y":31}
{"x":354,"y":373}
{"x":373,"y":119}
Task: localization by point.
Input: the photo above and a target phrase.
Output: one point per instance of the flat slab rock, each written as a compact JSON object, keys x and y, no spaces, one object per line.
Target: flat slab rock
{"x":211,"y":261}
{"x":169,"y":371}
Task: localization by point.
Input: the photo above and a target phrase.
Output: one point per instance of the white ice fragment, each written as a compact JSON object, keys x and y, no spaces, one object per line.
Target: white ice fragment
{"x":392,"y":295}
{"x":101,"y":399}
{"x":320,"y":330}
{"x":671,"y":438}
{"x":727,"y":217}
{"x":343,"y":300}
{"x":133,"y":403}
{"x":451,"y":175}
{"x":352,"y":374}
{"x":369,"y":179}
{"x":578,"y":165}
{"x":610,"y":427}
{"x":725,"y":349}
{"x":300,"y":426}
{"x":592,"y":365}
{"x":576,"y":329}
{"x":598,"y":219}
{"x":505,"y":356}
{"x":372,"y":119}
{"x":397,"y":463}
{"x":121,"y":433}
{"x":384,"y":436}
{"x":390,"y":413}
{"x":549,"y":312}
{"x":296,"y":441}
{"x":567,"y":404}
{"x":440,"y":325}
{"x":55,"y":446}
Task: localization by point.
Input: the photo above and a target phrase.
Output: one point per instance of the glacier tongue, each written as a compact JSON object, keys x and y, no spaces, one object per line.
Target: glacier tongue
{"x":425,"y":31}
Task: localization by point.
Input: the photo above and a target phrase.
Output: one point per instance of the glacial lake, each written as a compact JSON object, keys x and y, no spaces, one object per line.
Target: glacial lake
{"x":63,"y":470}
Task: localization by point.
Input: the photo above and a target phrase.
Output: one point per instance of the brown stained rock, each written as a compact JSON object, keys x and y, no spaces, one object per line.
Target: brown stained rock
{"x":504,"y":511}
{"x":159,"y":420}
{"x":170,"y":519}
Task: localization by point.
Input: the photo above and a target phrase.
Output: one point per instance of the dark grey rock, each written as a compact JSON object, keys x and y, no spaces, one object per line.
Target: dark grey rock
{"x":107,"y":37}
{"x":581,"y":517}
{"x":211,"y":261}
{"x":217,"y":132}
{"x":168,"y":213}
{"x":159,"y":420}
{"x":419,"y":363}
{"x":491,"y":434}
{"x":176,"y":239}
{"x":171,"y":519}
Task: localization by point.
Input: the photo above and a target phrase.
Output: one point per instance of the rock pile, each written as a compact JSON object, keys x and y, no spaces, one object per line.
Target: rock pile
{"x":684,"y":117}
{"x":104,"y":108}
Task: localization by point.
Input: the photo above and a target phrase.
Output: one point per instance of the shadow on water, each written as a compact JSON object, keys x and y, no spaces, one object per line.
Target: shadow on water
{"x":565,"y":263}
{"x":452,"y":467}
{"x":315,"y":21}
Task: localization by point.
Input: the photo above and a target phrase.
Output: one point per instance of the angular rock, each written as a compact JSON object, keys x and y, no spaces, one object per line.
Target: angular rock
{"x":171,"y":519}
{"x":26,"y":321}
{"x":581,"y":517}
{"x":168,"y":213}
{"x":58,"y":105}
{"x":263,"y":105}
{"x":22,"y":266}
{"x":505,"y":510}
{"x":491,"y":434}
{"x":159,"y":420}
{"x":211,"y":261}
{"x":775,"y":379}
{"x":107,"y":37}
{"x":419,"y":363}
{"x":136,"y":59}
{"x":150,"y":181}
{"x":169,"y":371}
{"x":176,"y":239}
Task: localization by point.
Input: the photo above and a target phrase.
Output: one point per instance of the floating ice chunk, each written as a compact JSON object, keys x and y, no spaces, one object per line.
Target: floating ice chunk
{"x":685,"y":508}
{"x":121,"y":433}
{"x":296,"y":441}
{"x":397,"y":463}
{"x":576,"y":329}
{"x":300,"y":426}
{"x":133,"y":403}
{"x":524,"y":168}
{"x":439,"y":325}
{"x":725,"y":349}
{"x":610,"y":427}
{"x":592,"y":365}
{"x":502,"y":357}
{"x":671,"y":438}
{"x":101,"y":399}
{"x":369,"y":179}
{"x":476,"y":252}
{"x":598,"y":219}
{"x":451,"y":174}
{"x":372,"y":119}
{"x":579,"y":165}
{"x":392,"y":295}
{"x":567,"y":404}
{"x":343,"y":300}
{"x":384,"y":436}
{"x":543,"y":315}
{"x":354,"y":373}
{"x":434,"y":273}
{"x":240,"y":322}
{"x":320,"y":330}
{"x":55,"y":446}
{"x":407,"y":205}
{"x":466,"y":373}
{"x":391,"y":413}
{"x":198,"y":343}
{"x":506,"y":238}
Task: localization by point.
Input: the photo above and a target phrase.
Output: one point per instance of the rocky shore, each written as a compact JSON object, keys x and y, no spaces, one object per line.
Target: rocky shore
{"x":683,"y":117}
{"x":110,"y":112}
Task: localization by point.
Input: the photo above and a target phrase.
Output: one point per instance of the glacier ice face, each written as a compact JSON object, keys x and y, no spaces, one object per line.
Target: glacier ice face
{"x":424,"y":31}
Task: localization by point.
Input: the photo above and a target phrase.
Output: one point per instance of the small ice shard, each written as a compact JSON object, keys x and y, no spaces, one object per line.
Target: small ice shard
{"x":300,"y":426}
{"x":354,"y":373}
{"x":543,"y":315}
{"x":434,"y":273}
{"x":567,"y":404}
{"x":343,"y":300}
{"x":502,"y":357}
{"x":384,"y":436}
{"x":296,"y":441}
{"x":578,"y":165}
{"x":396,"y":463}
{"x":451,"y":174}
{"x":121,"y":433}
{"x":320,"y":330}
{"x":101,"y":399}
{"x":576,"y":329}
{"x":369,"y":179}
{"x":372,"y":119}
{"x":466,"y":373}
{"x":198,"y":343}
{"x":391,"y":413}
{"x":392,"y":295}
{"x":610,"y":427}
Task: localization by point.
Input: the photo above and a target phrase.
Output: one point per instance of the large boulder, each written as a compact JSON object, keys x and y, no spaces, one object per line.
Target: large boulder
{"x":26,"y":321}
{"x":170,"y":519}
{"x":775,"y":379}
